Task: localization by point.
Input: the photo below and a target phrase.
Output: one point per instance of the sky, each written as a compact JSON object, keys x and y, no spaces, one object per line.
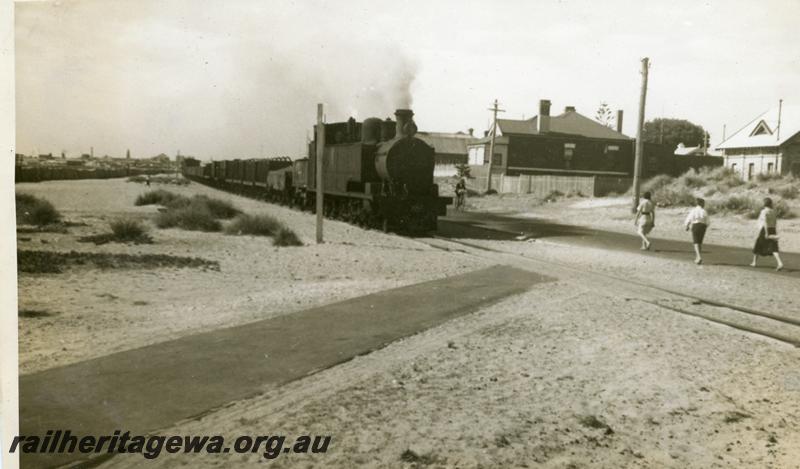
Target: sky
{"x":241,"y":78}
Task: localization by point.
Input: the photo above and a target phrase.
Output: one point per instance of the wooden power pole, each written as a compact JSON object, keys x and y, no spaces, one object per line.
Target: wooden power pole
{"x":637,"y":165}
{"x":320,"y":155}
{"x":494,"y":110}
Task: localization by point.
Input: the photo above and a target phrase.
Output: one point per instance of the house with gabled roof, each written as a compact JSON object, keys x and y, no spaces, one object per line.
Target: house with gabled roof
{"x":768,"y":144}
{"x":565,"y":144}
{"x":450,"y":150}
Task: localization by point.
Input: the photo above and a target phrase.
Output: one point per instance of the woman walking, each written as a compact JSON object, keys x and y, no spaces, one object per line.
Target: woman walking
{"x":698,"y":222}
{"x":645,"y":219}
{"x":767,"y":240}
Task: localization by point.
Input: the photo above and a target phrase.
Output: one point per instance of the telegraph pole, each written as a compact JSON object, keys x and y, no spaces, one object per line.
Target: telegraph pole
{"x":320,"y":153}
{"x":494,"y":110}
{"x":637,"y":165}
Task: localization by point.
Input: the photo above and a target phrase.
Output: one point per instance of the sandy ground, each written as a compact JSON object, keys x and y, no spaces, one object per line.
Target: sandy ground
{"x":614,"y":214}
{"x":577,"y":373}
{"x":580,"y":373}
{"x":95,"y":312}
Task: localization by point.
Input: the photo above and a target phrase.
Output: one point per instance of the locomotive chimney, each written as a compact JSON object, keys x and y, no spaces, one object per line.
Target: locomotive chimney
{"x":543,"y":122}
{"x":404,"y":116}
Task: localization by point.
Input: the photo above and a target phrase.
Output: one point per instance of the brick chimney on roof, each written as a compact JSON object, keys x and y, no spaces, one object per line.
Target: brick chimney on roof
{"x":569,"y":109}
{"x":619,"y":121}
{"x":543,"y":122}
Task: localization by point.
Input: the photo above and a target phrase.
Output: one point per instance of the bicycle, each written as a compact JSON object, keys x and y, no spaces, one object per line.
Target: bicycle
{"x":460,"y":201}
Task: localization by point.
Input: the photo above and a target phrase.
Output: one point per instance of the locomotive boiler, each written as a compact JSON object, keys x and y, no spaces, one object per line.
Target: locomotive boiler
{"x":378,"y":173}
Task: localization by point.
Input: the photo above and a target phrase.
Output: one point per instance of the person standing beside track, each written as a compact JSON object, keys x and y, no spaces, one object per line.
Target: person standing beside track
{"x":461,"y":192}
{"x":698,"y":222}
{"x":645,"y":219}
{"x":767,"y":240}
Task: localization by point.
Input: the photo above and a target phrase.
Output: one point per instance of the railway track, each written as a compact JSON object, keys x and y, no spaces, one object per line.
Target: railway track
{"x":765,"y":324}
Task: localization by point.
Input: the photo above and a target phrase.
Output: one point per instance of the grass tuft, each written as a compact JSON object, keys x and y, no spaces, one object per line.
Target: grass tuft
{"x":218,"y":208}
{"x":38,"y":262}
{"x":258,"y":225}
{"x":199,"y":213}
{"x":157,"y":197}
{"x":194,"y":217}
{"x":286,"y":237}
{"x":749,"y":206}
{"x":33,"y":210}
{"x":693,"y":179}
{"x":122,"y":231}
{"x":670,"y":196}
{"x":656,"y":183}
{"x":128,"y":230}
{"x":788,"y":191}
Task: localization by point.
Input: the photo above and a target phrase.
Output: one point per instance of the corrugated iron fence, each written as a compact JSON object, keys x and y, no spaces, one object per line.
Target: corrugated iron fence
{"x":545,"y":184}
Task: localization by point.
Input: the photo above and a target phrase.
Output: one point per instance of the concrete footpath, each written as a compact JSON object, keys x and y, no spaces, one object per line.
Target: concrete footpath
{"x":150,"y":388}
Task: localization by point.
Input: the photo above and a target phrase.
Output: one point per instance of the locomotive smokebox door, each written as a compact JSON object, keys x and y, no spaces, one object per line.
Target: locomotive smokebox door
{"x":406,"y":161}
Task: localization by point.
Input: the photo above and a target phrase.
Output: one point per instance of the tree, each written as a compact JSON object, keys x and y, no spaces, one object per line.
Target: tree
{"x":462,"y":170}
{"x":673,"y":131}
{"x":604,"y":115}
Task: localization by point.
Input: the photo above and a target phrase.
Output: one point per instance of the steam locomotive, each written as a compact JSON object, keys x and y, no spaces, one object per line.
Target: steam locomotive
{"x":376,"y":174}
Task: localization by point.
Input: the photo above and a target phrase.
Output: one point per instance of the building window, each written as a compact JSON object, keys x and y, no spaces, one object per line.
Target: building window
{"x":612,"y":148}
{"x":497,"y":159}
{"x":733,"y":167}
{"x":569,"y":152}
{"x":770,"y":166}
{"x":476,"y":156}
{"x":751,"y":168}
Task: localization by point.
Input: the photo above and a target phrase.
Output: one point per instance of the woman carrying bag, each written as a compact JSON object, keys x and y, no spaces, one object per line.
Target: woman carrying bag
{"x":767,"y":241}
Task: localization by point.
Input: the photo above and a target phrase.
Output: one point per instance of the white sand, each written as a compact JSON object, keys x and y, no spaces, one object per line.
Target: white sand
{"x":98,"y":312}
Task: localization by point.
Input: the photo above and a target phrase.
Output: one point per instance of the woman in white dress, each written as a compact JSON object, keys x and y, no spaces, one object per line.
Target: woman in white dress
{"x":645,"y":219}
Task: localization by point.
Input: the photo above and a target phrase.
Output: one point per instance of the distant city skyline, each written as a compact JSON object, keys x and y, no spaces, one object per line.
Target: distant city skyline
{"x":241,"y":78}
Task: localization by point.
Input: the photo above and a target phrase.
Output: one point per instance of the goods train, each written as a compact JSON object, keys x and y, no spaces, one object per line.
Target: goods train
{"x":376,"y":173}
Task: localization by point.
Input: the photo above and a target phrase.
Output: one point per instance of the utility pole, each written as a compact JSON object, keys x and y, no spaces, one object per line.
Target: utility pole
{"x":320,"y":153}
{"x":494,"y":110}
{"x":637,"y":165}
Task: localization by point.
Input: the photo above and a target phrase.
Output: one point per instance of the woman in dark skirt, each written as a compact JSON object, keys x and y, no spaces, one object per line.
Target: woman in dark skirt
{"x":767,"y":241}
